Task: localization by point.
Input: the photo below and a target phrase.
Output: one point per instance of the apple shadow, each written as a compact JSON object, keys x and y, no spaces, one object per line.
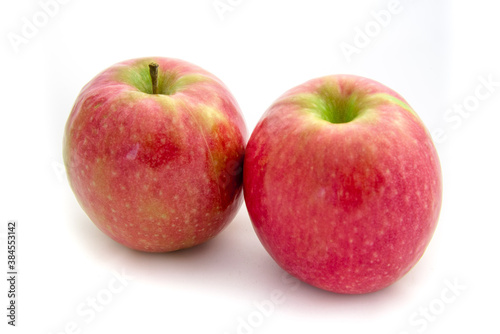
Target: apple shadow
{"x":235,"y":265}
{"x":234,"y":261}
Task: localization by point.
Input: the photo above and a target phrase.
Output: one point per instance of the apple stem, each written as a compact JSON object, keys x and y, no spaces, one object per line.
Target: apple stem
{"x":153,"y":72}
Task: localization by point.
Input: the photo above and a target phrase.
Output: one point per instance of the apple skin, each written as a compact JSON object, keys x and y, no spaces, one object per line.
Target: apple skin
{"x":343,"y":184}
{"x":156,"y":172}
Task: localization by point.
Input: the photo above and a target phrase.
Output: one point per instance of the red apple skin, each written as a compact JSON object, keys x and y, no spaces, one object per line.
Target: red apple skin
{"x":347,"y":207}
{"x":156,"y":172}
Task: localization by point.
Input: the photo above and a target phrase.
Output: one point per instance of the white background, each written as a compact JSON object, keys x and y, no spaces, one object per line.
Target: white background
{"x":434,"y":53}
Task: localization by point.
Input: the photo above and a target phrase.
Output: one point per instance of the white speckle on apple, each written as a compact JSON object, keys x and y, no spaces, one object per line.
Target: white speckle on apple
{"x":132,"y":154}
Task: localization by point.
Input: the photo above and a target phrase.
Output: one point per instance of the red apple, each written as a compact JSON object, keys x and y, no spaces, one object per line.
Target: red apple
{"x":156,"y":171}
{"x":343,"y":184}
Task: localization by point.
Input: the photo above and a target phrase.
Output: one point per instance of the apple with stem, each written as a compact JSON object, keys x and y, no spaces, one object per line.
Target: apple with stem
{"x":153,"y":150}
{"x":343,"y":184}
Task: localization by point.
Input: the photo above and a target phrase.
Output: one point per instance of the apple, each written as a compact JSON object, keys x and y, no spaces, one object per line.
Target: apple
{"x":153,"y":150}
{"x":343,"y":184}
